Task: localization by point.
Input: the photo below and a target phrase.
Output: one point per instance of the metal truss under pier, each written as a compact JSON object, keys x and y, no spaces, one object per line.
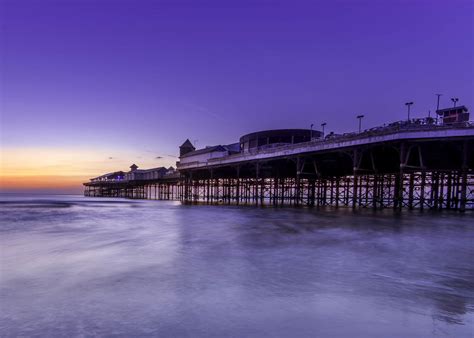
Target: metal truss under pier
{"x":158,"y":189}
{"x":417,"y":190}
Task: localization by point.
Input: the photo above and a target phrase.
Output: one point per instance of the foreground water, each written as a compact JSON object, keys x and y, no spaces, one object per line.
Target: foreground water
{"x":75,"y":266}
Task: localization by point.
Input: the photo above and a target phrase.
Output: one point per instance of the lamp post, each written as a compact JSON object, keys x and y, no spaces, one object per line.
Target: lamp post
{"x":437,"y":107}
{"x":311,"y":132}
{"x":408,"y":104}
{"x":323,"y":125}
{"x":455,"y":100}
{"x":360,"y":117}
{"x":437,"y":103}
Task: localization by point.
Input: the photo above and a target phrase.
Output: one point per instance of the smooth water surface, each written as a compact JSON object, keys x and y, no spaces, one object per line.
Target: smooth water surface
{"x":75,"y":266}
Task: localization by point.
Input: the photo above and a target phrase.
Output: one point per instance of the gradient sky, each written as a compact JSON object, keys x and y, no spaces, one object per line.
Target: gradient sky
{"x":94,"y":86}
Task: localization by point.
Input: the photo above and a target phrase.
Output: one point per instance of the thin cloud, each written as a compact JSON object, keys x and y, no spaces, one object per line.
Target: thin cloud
{"x":203,"y":110}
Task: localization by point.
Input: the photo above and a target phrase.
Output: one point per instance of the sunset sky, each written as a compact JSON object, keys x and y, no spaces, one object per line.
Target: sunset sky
{"x":91,"y":86}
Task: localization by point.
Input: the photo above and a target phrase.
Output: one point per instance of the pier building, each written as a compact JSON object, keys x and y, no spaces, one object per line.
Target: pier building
{"x":135,"y":183}
{"x":453,"y":115}
{"x":274,"y":138}
{"x":109,"y":177}
{"x":208,"y":153}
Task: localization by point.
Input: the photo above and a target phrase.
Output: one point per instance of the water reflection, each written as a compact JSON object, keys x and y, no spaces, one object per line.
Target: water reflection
{"x":77,"y":266}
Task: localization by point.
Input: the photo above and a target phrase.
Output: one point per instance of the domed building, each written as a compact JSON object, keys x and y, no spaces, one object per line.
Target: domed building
{"x":277,"y":137}
{"x":189,"y":156}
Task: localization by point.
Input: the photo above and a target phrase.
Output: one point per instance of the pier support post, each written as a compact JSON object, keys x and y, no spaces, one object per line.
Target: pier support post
{"x":257,"y":176}
{"x":297,"y":181}
{"x":355,"y":168}
{"x":422,"y":189}
{"x":411,"y":188}
{"x":465,"y":156}
{"x":398,"y":191}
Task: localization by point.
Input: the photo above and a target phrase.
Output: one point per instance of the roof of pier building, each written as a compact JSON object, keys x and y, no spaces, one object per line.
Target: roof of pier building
{"x":229,"y":148}
{"x":454,"y":114}
{"x":186,"y":147}
{"x":209,"y":153}
{"x":459,"y":109}
{"x":149,"y":170}
{"x":152,"y":173}
{"x":109,"y":176}
{"x":278,"y":136}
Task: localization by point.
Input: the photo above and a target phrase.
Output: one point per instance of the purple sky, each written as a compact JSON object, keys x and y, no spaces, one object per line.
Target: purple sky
{"x":146,"y":75}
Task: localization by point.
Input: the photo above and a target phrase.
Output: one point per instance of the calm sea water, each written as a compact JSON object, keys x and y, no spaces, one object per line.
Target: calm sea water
{"x":75,"y":266}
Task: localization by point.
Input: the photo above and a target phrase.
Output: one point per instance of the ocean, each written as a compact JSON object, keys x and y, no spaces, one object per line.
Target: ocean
{"x":77,"y":266}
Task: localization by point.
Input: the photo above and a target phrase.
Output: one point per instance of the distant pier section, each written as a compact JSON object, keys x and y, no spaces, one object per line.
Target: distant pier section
{"x":415,"y":164}
{"x":136,"y":183}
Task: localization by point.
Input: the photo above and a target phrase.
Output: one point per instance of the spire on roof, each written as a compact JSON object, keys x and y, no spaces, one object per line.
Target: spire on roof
{"x":186,"y":147}
{"x":133,"y":167}
{"x":187,"y":144}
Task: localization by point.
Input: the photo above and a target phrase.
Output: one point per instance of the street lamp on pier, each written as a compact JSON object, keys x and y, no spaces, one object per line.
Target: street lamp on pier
{"x":360,"y":117}
{"x":323,"y":125}
{"x":455,"y":100}
{"x":408,"y":104}
{"x":437,"y":103}
{"x":437,"y":107}
{"x":311,"y":132}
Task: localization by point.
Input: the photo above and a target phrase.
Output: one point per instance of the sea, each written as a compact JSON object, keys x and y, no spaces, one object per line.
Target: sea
{"x":73,"y":266}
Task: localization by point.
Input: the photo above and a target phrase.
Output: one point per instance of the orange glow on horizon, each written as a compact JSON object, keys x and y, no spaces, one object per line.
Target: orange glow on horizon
{"x":23,"y":183}
{"x":26,"y":169}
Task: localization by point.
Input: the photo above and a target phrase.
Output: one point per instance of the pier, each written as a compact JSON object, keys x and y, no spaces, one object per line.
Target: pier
{"x":416,"y":164}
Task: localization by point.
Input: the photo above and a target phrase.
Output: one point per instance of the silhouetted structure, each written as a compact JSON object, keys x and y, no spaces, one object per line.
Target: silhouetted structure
{"x":186,"y":147}
{"x":274,"y":138}
{"x":453,"y":115}
{"x":412,"y":164}
{"x":132,"y":184}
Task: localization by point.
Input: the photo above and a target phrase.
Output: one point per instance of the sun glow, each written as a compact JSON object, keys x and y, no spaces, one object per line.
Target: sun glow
{"x":59,"y":168}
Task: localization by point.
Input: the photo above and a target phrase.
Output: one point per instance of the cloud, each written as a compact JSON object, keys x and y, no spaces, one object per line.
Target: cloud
{"x":158,"y":157}
{"x":203,"y":110}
